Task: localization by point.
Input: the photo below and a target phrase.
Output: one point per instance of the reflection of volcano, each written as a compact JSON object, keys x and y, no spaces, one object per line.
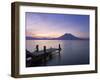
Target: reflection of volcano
{"x":66,"y":36}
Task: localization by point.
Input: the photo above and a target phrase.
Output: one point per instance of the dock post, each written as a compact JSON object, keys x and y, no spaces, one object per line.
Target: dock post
{"x":59,"y":47}
{"x":44,"y":48}
{"x":37,"y":48}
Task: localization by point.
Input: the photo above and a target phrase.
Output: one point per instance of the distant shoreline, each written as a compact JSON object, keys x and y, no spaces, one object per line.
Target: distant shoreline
{"x":66,"y":36}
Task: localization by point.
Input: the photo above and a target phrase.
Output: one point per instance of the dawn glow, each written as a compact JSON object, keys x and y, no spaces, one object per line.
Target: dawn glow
{"x":55,"y":25}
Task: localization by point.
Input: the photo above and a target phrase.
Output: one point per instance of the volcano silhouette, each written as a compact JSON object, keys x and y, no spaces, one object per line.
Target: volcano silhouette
{"x":68,"y":36}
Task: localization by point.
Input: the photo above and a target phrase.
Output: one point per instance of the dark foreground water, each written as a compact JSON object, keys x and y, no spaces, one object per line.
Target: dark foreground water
{"x":74,"y":52}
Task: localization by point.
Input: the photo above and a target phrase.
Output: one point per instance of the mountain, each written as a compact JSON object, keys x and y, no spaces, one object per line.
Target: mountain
{"x":34,"y":38}
{"x":30,"y":38}
{"x":66,"y":36}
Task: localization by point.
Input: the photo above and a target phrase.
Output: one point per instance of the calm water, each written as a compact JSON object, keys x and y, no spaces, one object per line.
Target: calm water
{"x":73,"y":52}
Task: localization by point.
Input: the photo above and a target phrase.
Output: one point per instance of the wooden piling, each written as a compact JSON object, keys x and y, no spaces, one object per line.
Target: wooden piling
{"x":44,"y":48}
{"x":37,"y":48}
{"x":59,"y":47}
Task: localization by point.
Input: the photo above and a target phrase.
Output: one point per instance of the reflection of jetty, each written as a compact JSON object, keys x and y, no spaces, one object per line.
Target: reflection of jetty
{"x":41,"y":55}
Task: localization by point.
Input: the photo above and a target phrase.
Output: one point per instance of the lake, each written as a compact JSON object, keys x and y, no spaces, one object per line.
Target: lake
{"x":74,"y":52}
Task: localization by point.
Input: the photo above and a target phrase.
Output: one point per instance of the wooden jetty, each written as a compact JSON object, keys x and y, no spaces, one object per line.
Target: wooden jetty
{"x":41,"y":55}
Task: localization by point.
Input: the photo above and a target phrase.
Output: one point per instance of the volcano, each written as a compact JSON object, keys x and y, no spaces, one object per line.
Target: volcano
{"x":68,"y":36}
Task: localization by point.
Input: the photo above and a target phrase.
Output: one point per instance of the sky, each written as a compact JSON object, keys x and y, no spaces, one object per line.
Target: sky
{"x":55,"y":25}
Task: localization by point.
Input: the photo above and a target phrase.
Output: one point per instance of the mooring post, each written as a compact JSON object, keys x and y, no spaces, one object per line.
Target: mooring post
{"x":37,"y":48}
{"x":44,"y":48}
{"x":59,"y":47}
